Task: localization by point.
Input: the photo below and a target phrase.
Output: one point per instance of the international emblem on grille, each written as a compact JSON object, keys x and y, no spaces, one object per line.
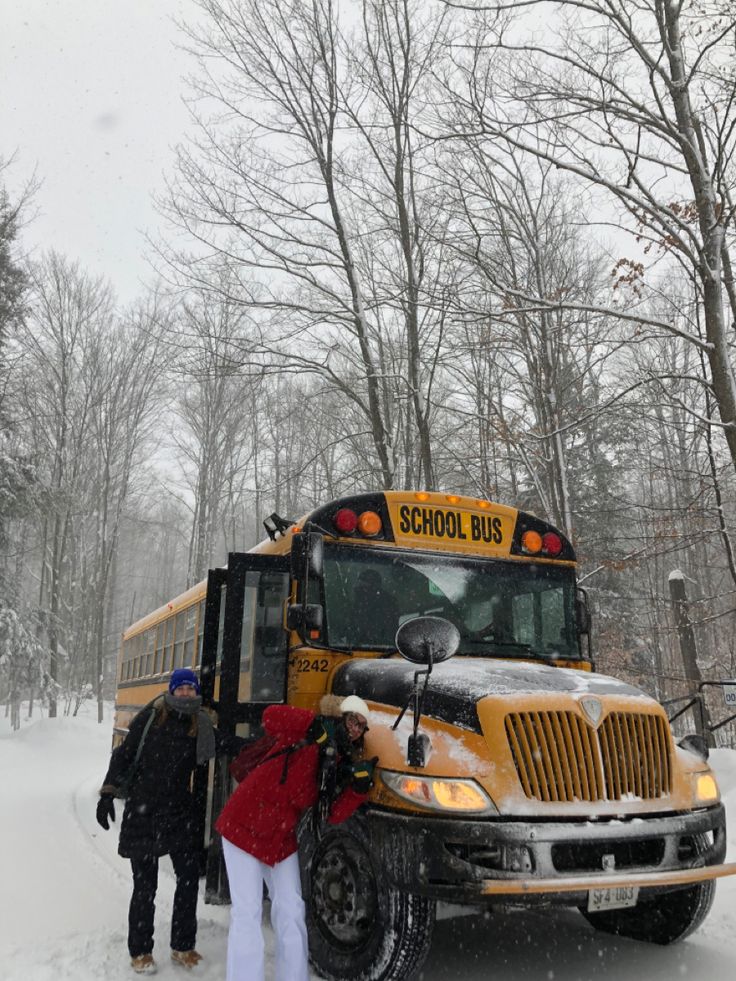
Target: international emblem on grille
{"x":593,"y":709}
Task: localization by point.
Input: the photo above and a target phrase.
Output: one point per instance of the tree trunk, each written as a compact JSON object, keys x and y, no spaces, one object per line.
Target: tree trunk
{"x":688,"y":650}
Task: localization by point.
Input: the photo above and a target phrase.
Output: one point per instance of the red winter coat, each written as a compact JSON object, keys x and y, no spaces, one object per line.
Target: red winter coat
{"x":262,"y":814}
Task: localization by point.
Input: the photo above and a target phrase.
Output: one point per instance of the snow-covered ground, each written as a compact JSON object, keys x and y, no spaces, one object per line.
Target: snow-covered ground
{"x":64,"y":891}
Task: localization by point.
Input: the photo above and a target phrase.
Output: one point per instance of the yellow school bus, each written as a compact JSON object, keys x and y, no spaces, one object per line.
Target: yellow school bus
{"x":170,"y":637}
{"x":510,"y":772}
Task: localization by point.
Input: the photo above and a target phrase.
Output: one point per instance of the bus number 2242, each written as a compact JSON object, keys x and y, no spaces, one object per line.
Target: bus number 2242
{"x":306,"y":664}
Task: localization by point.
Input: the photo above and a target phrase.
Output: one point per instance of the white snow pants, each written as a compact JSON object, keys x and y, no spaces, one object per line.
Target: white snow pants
{"x":245,"y":948}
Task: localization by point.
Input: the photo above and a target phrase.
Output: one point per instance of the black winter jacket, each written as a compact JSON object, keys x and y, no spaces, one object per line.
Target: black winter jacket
{"x":159,"y":815}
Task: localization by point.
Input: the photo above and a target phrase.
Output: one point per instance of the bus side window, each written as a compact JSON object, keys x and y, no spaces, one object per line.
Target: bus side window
{"x":125,"y":662}
{"x":179,"y":633}
{"x":270,"y":637}
{"x":140,"y":655}
{"x":221,"y":625}
{"x":200,"y":632}
{"x":157,"y":643}
{"x":191,"y":619}
{"x":168,"y":644}
{"x":264,"y":641}
{"x":149,"y":643}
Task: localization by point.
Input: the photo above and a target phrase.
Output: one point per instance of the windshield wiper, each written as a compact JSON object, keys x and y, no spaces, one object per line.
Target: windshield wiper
{"x":510,"y":648}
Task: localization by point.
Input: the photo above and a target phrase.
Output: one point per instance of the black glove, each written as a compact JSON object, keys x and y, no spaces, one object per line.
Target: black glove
{"x":105,"y":810}
{"x":317,"y":733}
{"x":362,"y":779}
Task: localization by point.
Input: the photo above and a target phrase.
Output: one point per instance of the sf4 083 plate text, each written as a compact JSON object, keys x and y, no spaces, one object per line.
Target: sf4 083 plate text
{"x":618,"y":897}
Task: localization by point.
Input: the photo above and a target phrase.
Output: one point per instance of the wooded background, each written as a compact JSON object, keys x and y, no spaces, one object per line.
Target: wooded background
{"x":476,"y":248}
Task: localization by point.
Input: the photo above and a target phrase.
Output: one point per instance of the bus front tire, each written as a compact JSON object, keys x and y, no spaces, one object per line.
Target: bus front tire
{"x":359,"y":927}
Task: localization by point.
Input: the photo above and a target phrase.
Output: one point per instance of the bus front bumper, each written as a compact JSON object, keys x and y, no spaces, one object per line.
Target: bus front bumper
{"x":547,"y":862}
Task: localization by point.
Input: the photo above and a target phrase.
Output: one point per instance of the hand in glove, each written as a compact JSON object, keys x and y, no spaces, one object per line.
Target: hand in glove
{"x":317,"y":733}
{"x":105,"y":810}
{"x":362,"y":779}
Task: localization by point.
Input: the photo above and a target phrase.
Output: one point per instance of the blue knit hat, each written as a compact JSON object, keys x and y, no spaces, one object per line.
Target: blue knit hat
{"x":183,"y":676}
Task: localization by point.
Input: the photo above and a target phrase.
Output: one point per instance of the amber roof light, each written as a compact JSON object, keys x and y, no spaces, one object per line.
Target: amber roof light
{"x":531,"y":541}
{"x":369,"y":524}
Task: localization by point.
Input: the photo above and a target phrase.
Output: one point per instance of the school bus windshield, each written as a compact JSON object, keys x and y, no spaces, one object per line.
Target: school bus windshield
{"x":501,"y":607}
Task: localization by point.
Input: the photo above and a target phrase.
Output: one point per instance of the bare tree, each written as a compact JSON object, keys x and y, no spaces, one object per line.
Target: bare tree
{"x":270,"y":171}
{"x":67,"y":308}
{"x":312,"y":184}
{"x":16,"y":477}
{"x":87,"y":387}
{"x":126,"y":364}
{"x":514,"y":230}
{"x":213,"y":402}
{"x":401,"y":42}
{"x":637,"y":102}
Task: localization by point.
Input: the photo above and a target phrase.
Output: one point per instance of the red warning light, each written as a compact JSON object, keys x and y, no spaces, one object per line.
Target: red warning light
{"x":551,"y":543}
{"x":346,"y":521}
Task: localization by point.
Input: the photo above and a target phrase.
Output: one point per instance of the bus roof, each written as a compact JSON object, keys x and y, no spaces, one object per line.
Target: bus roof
{"x":181,"y":602}
{"x":409,"y":519}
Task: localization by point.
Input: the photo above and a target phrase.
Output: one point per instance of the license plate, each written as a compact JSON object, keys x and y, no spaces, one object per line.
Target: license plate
{"x":619,"y":897}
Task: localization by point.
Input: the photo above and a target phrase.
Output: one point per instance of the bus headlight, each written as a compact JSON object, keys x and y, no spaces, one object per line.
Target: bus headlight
{"x":706,"y":788}
{"x":440,"y":793}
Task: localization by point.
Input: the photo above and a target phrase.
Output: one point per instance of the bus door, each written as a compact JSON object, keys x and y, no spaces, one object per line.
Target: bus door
{"x":245,"y":637}
{"x":211,"y":655}
{"x":214,"y":620}
{"x":254,"y":643}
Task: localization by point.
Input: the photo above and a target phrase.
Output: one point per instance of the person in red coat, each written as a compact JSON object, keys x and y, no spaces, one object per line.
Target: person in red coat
{"x":259,"y":831}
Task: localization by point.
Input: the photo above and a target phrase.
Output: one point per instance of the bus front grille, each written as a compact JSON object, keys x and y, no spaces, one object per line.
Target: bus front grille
{"x":560,"y":758}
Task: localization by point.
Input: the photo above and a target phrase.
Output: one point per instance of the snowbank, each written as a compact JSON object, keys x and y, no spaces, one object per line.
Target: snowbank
{"x":64,"y":891}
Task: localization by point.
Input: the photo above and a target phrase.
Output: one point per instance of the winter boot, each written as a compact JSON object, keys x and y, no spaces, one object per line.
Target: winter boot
{"x":143,"y":964}
{"x":186,"y":958}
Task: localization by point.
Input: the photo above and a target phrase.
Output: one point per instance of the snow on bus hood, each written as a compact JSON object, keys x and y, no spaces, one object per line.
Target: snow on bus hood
{"x":456,"y":686}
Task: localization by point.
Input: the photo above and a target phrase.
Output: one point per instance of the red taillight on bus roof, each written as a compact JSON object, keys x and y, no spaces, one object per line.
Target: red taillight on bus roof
{"x":346,"y":521}
{"x":551,"y":543}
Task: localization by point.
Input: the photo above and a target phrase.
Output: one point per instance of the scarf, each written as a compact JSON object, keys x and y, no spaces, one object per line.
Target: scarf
{"x":205,"y":729}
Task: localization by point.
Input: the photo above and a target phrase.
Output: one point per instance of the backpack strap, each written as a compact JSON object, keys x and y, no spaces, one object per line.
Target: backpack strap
{"x":287,"y":752}
{"x":142,"y":740}
{"x":131,"y":771}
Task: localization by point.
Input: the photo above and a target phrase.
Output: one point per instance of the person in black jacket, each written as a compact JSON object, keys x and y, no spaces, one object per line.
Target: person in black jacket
{"x":159,"y":816}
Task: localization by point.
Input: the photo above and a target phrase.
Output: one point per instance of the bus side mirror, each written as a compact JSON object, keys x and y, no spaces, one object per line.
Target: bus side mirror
{"x":307,"y":551}
{"x":582,"y":612}
{"x":304,"y":618}
{"x":695,"y":744}
{"x":426,"y":641}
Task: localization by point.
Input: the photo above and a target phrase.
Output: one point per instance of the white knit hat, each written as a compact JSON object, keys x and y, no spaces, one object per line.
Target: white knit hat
{"x":354,"y":703}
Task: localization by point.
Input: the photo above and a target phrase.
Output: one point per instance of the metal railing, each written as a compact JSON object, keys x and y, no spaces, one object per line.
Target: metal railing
{"x":696,"y":702}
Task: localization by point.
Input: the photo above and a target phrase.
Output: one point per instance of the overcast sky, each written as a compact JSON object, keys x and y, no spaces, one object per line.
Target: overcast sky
{"x":90,"y":97}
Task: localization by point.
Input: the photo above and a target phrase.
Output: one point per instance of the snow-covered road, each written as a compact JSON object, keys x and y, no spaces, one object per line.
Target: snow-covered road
{"x":64,"y":892}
